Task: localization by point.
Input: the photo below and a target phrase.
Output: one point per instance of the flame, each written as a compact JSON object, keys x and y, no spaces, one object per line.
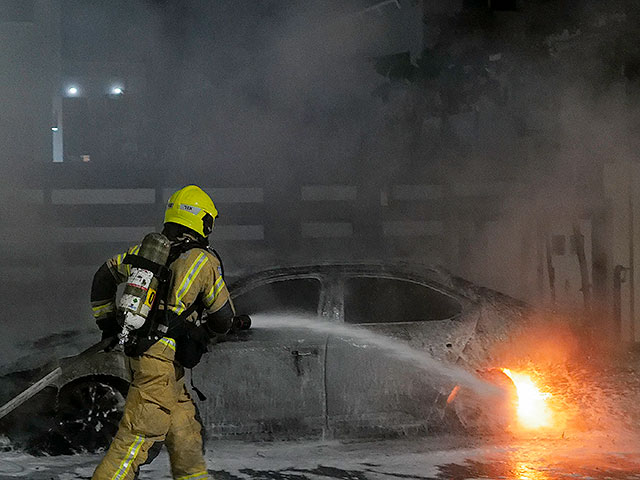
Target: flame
{"x":533,"y":410}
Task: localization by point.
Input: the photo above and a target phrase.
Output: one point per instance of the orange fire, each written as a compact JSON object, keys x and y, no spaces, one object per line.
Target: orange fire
{"x":533,"y":409}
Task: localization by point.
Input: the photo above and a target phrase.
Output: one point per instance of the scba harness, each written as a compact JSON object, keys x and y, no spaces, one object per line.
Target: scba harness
{"x":191,"y":338}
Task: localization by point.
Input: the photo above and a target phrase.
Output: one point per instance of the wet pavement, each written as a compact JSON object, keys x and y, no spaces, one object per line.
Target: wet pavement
{"x":592,"y":456}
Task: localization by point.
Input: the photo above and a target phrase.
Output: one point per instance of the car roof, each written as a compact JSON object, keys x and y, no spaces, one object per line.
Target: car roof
{"x":434,"y":276}
{"x":428,"y":275}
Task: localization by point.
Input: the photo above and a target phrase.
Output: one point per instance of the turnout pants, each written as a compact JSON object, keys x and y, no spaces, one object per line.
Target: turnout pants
{"x":158,"y":407}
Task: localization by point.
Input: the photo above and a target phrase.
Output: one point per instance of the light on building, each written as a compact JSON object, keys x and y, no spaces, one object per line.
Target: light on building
{"x":117,"y":91}
{"x":72,"y":91}
{"x":54,"y":129}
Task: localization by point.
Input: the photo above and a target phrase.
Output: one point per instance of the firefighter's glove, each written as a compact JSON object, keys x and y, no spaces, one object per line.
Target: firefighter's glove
{"x":109,"y":326}
{"x":241,"y":322}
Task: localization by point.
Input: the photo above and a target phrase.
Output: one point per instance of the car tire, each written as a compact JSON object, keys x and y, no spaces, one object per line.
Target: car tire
{"x":89,"y":412}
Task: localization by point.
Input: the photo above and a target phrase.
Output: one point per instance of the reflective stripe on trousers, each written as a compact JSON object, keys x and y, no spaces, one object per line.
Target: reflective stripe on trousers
{"x":158,"y":407}
{"x":127,"y":462}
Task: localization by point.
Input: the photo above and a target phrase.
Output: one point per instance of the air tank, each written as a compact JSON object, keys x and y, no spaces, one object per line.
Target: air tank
{"x":140,"y":291}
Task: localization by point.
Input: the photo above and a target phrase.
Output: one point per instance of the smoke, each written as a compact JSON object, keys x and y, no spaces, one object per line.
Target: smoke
{"x":277,"y":95}
{"x":571,"y":110}
{"x":285,"y":94}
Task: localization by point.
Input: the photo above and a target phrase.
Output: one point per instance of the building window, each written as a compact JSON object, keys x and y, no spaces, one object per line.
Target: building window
{"x":558,"y":245}
{"x":79,"y":133}
{"x":573,"y":243}
{"x":16,"y":11}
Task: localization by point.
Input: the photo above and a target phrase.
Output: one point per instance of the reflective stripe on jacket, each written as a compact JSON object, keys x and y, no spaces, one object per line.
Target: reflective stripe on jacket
{"x":195,"y":272}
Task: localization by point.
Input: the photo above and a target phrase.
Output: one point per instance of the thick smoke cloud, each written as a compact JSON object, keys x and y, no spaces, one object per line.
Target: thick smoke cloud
{"x":285,"y":93}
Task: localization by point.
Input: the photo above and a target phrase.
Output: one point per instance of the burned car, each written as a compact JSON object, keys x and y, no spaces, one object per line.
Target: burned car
{"x":302,"y":381}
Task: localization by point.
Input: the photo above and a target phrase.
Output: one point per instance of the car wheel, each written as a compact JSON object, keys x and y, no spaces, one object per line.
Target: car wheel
{"x":88,"y":414}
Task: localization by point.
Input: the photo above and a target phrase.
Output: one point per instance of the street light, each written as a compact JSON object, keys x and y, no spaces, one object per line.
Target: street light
{"x":73,"y":91}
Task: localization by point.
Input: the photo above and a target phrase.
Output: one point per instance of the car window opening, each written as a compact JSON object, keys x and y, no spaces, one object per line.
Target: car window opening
{"x":386,"y":300}
{"x":299,"y":295}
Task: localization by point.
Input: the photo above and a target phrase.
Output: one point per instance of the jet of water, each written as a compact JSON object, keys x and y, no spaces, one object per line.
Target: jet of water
{"x":393,"y":347}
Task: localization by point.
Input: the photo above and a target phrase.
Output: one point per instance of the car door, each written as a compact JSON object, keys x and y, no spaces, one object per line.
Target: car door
{"x":268,"y":382}
{"x":371,"y":389}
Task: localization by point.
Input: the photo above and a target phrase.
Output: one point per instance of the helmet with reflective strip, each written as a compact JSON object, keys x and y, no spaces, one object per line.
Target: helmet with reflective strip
{"x":193,"y":208}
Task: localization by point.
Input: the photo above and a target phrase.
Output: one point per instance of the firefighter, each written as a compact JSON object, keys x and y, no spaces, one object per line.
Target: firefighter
{"x":158,"y":405}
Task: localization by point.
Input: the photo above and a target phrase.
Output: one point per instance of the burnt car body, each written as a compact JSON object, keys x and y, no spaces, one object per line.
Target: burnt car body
{"x":297,"y":382}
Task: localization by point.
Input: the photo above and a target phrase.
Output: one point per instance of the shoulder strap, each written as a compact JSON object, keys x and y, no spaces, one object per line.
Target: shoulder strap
{"x":213,"y":251}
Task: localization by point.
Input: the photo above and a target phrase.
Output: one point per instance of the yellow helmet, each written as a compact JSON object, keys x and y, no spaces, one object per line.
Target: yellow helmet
{"x":193,"y":208}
